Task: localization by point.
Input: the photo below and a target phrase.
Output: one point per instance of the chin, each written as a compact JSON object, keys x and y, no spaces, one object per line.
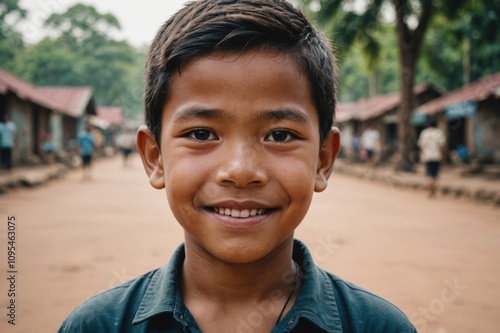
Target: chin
{"x":243,"y":251}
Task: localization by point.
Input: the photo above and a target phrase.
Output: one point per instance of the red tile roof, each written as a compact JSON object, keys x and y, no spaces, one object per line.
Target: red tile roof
{"x":25,"y":90}
{"x":72,"y":101}
{"x":476,"y":91}
{"x":113,"y":115}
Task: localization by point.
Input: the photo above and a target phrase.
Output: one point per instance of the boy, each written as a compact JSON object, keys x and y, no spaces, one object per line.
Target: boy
{"x":239,"y":102}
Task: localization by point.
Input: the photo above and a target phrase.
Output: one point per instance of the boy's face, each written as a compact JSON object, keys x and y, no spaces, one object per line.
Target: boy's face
{"x":240,"y":153}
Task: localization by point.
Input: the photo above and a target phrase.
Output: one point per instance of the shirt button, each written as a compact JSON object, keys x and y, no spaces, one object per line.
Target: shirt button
{"x":290,"y":322}
{"x":181,"y":317}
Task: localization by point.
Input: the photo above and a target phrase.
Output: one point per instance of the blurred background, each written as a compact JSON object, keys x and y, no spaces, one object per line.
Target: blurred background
{"x":401,"y":63}
{"x":67,"y":66}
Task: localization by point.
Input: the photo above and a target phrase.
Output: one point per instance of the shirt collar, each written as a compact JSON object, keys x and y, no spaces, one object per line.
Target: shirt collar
{"x":315,"y":302}
{"x":162,"y":294}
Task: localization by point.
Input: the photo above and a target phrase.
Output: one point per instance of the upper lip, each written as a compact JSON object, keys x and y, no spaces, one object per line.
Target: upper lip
{"x":239,"y":205}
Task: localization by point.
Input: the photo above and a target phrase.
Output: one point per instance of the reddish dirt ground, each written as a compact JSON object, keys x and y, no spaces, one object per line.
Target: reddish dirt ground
{"x":438,"y":260}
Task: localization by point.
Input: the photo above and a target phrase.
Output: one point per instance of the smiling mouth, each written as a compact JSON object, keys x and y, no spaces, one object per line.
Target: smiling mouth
{"x":244,"y":213}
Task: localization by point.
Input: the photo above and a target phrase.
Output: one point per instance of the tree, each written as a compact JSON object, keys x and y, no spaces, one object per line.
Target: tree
{"x":48,"y":63}
{"x":10,"y":40}
{"x":356,"y":72}
{"x":411,"y":17}
{"x":465,"y":48}
{"x":81,"y":52}
{"x":83,"y":26}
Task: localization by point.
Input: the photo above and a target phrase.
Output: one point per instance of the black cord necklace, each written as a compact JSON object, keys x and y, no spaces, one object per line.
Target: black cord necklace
{"x":297,"y":271}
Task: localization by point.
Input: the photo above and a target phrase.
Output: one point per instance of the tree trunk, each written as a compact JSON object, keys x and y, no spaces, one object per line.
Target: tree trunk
{"x":410,"y":43}
{"x":406,"y":134}
{"x":466,"y":62}
{"x":373,"y":83}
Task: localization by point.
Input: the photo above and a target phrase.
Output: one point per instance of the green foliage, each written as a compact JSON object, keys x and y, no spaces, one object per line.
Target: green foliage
{"x":8,"y":9}
{"x":82,"y":53}
{"x":82,"y":25}
{"x":364,"y":42}
{"x":443,"y":51}
{"x":349,"y":27}
{"x":355,"y":71}
{"x":354,"y":83}
{"x":11,"y":41}
{"x":446,"y":44}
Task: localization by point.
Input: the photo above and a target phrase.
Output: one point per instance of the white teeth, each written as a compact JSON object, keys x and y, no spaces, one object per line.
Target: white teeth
{"x":238,"y":213}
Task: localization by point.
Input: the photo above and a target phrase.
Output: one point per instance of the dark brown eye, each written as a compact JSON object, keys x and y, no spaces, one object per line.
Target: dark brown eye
{"x":279,"y":136}
{"x":202,"y":135}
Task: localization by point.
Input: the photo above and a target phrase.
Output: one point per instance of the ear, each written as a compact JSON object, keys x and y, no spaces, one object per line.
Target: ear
{"x":327,"y":156}
{"x":151,"y":157}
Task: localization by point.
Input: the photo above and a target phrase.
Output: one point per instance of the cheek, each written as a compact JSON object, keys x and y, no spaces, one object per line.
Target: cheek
{"x":298,"y":178}
{"x":180,"y":184}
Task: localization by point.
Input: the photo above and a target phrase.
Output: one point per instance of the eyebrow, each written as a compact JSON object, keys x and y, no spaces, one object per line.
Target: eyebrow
{"x":199,"y":112}
{"x":284,"y":114}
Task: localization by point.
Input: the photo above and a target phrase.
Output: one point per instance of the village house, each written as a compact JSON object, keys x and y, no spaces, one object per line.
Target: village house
{"x":31,"y":111}
{"x":470,"y":118}
{"x":349,"y":128}
{"x":112,"y":120}
{"x":75,"y":106}
{"x":59,"y":111}
{"x":381,"y":112}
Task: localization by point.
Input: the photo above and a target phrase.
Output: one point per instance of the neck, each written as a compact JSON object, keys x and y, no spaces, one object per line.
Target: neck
{"x":226,"y":284}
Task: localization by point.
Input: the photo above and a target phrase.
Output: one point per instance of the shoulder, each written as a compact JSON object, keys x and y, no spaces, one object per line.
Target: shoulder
{"x":367,"y":312}
{"x":107,"y":311}
{"x":425,"y":132}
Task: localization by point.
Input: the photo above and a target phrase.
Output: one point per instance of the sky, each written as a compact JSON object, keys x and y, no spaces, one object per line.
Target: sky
{"x":139,"y":19}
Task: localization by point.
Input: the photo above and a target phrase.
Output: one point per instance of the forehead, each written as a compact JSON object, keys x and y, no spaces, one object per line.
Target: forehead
{"x":255,"y":80}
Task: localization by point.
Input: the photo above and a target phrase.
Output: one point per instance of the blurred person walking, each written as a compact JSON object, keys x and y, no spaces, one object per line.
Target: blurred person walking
{"x":432,"y":145}
{"x":126,"y":143}
{"x":49,"y":149}
{"x":8,"y":141}
{"x":369,"y":144}
{"x":86,"y":144}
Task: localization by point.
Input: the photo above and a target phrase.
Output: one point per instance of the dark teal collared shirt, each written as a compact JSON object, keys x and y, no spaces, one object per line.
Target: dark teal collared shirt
{"x":152,"y":303}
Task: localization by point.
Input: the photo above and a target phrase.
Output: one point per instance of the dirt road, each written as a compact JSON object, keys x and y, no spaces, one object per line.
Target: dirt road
{"x":438,"y":260}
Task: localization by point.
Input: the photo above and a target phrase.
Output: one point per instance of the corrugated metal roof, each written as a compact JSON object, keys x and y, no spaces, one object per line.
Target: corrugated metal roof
{"x":111,"y":114}
{"x":344,"y":111}
{"x":72,"y":101}
{"x":25,"y":90}
{"x":378,"y":105}
{"x":476,"y":91}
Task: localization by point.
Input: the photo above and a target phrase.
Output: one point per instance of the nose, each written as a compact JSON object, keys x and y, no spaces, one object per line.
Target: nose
{"x":242,"y":165}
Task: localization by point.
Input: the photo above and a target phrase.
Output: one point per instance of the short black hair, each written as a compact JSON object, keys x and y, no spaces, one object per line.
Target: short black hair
{"x":207,"y":26}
